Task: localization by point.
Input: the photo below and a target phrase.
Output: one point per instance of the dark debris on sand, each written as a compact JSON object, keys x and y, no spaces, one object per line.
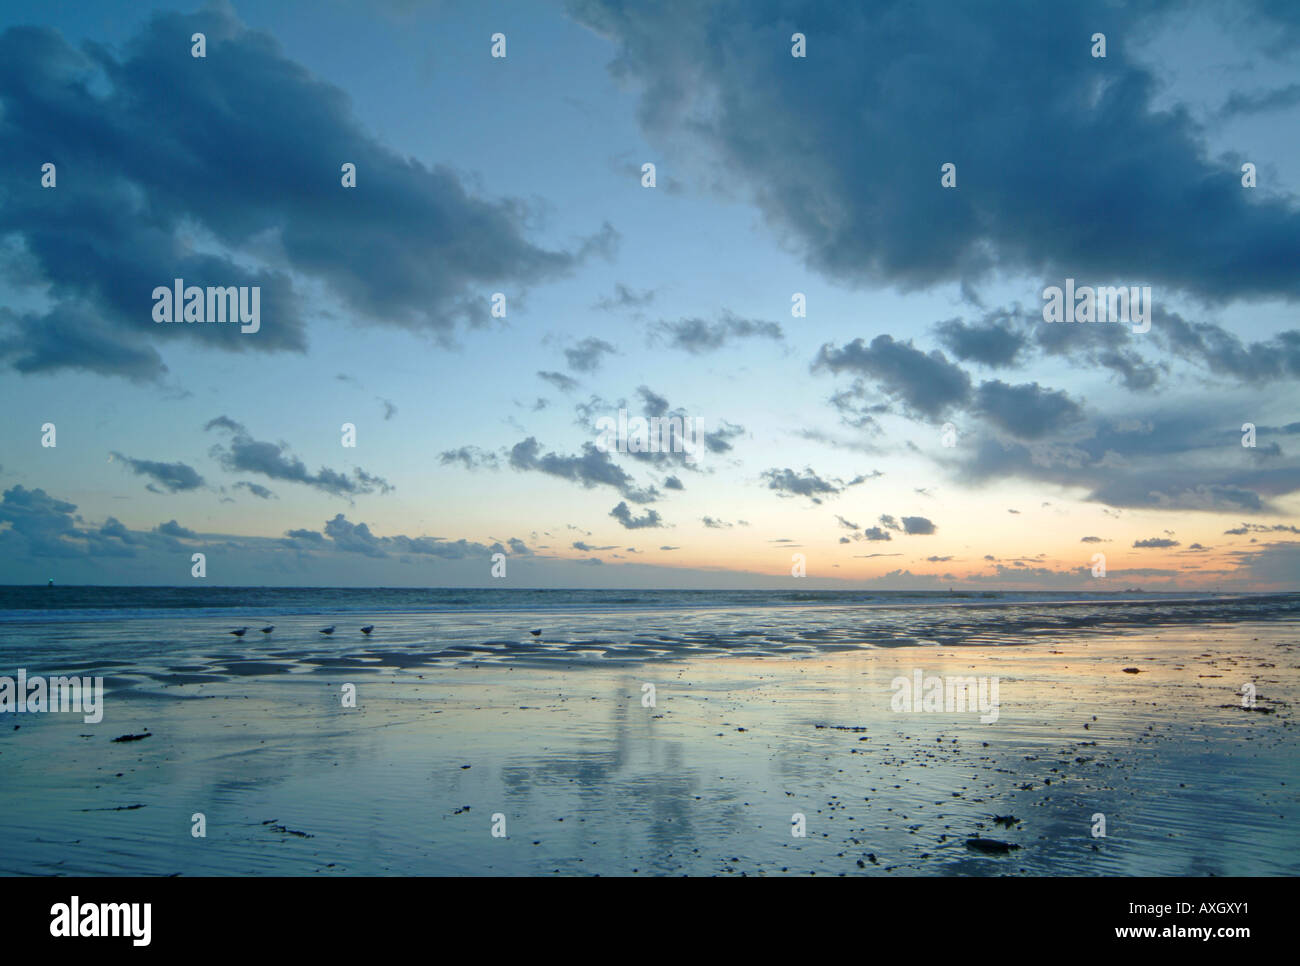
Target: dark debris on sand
{"x":139,"y":737}
{"x":283,"y":830}
{"x":990,"y":846}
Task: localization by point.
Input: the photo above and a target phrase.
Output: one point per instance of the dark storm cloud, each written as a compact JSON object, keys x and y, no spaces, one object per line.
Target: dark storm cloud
{"x":926,"y":383}
{"x":1131,"y":358}
{"x":226,"y":423}
{"x":655,"y":404}
{"x":623,"y":515}
{"x":1026,"y":411}
{"x":988,"y":343}
{"x":43,"y":526}
{"x":257,"y":489}
{"x":698,"y":336}
{"x":676,"y":450}
{"x":1262,"y":528}
{"x":559,"y":380}
{"x":1280,"y":98}
{"x":918,"y":526}
{"x":719,"y":440}
{"x":1104,"y":346}
{"x":592,"y":468}
{"x":586,"y":355}
{"x":310,"y":537}
{"x":74,"y":336}
{"x":247,"y":455}
{"x":1224,"y":354}
{"x":915,"y":526}
{"x":819,"y":139}
{"x":1275,"y":563}
{"x":788,"y":482}
{"x":471,"y":457}
{"x":1184,"y":460}
{"x":175,"y":477}
{"x":715,"y":440}
{"x":243,"y":454}
{"x":858,"y":407}
{"x":151,"y":143}
{"x":350,"y":537}
{"x":48,"y":525}
{"x":353,"y":537}
{"x":173,"y":529}
{"x":625,"y":298}
{"x":1013,"y":336}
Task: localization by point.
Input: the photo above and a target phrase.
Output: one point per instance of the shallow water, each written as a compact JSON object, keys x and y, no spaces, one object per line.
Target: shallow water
{"x":760,"y":713}
{"x":174,"y":635}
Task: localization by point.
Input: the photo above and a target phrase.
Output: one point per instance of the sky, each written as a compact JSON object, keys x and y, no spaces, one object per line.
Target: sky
{"x":858,"y":337}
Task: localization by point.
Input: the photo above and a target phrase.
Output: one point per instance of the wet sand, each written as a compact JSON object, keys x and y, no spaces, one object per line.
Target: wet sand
{"x":589,"y":781}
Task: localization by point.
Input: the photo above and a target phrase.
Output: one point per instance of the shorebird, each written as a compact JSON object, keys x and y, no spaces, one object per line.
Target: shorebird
{"x":327,"y":630}
{"x":536,"y":633}
{"x":268,"y":628}
{"x":240,"y":632}
{"x":367,"y":629}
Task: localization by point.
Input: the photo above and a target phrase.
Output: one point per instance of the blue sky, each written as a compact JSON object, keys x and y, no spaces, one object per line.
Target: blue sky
{"x":776,"y":175}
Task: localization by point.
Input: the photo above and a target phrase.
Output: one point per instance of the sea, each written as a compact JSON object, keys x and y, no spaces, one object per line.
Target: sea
{"x":174,"y":633}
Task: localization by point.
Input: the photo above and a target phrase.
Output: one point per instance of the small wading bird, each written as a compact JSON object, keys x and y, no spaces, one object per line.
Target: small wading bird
{"x":240,"y":632}
{"x":327,"y":630}
{"x":268,"y":628}
{"x":367,"y":629}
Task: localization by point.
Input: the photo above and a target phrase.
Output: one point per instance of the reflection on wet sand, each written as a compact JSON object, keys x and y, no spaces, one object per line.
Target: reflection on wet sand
{"x":706,"y":781}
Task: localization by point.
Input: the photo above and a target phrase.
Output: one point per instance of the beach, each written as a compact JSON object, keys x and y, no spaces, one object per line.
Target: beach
{"x":634,"y":740}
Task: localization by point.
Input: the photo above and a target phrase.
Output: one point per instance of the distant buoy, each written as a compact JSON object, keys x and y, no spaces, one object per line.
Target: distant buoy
{"x":51,"y":582}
